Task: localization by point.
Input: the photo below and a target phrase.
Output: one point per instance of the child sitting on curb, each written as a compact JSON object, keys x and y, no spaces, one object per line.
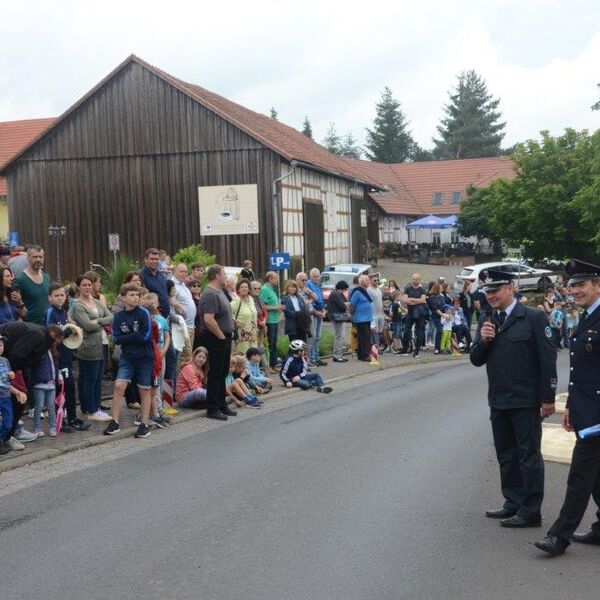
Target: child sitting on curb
{"x":258,"y":380}
{"x":235,"y":383}
{"x":294,"y":371}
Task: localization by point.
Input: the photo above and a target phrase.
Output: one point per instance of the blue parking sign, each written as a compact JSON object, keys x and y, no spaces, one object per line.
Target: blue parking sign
{"x":279,"y":261}
{"x":13,"y":238}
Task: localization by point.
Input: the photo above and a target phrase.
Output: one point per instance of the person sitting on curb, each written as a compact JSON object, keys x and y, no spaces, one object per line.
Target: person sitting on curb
{"x":257,"y":379}
{"x":294,"y":371}
{"x":236,"y":383}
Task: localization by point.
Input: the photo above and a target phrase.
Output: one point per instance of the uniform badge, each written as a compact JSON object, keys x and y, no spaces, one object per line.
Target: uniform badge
{"x":589,"y":347}
{"x":548,"y":332}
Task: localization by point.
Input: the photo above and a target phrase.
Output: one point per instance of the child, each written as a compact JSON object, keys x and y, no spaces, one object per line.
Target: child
{"x":57,"y":314}
{"x":294,"y":371}
{"x":397,"y":312}
{"x":460,"y":327}
{"x":132,"y":329}
{"x":447,"y":322}
{"x":150,"y":302}
{"x":556,"y":318}
{"x":45,"y":377}
{"x":262,"y":383}
{"x":235,"y":384}
{"x":6,"y":389}
{"x":572,"y":321}
{"x":191,"y":381}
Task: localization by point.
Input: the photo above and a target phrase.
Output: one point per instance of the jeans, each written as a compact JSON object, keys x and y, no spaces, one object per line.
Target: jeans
{"x":437,"y":322}
{"x":272,"y":330}
{"x":308,"y":381}
{"x":419,"y":323}
{"x":463,"y":332}
{"x":338,"y":344}
{"x":7,"y":417}
{"x":317,"y":325}
{"x":90,"y":385}
{"x":44,"y":398}
{"x":193,"y":399}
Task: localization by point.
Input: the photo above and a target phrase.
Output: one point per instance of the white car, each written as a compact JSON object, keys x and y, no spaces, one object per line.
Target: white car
{"x":527,"y":278}
{"x":331,"y":274}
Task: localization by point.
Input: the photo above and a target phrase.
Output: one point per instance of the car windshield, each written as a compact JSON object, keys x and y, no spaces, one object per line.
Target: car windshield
{"x":466,"y":273}
{"x":330,"y":278}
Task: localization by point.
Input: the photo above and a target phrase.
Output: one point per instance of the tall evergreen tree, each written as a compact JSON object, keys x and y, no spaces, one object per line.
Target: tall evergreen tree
{"x":307,"y":128}
{"x":472,"y":126}
{"x":389,"y":141}
{"x":349,"y":146}
{"x":274,"y":113}
{"x":332,"y":141}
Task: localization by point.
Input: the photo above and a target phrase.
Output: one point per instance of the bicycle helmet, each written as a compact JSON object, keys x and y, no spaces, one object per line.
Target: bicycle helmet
{"x":297,"y":345}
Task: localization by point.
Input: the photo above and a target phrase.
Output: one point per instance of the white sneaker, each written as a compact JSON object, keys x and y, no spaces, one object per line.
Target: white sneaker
{"x":26,"y":436}
{"x":52,"y":432}
{"x":39,"y":433}
{"x":100,"y":415}
{"x":15,"y":445}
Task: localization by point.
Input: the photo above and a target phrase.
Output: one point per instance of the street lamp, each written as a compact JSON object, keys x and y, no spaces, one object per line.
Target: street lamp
{"x":57,"y":232}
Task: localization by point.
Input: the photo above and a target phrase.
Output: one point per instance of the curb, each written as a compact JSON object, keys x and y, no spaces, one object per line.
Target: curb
{"x":17,"y":461}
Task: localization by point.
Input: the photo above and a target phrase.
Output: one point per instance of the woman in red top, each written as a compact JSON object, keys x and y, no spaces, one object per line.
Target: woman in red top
{"x":191,"y":381}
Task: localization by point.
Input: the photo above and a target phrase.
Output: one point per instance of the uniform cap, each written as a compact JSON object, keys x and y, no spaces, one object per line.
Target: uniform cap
{"x":578,"y":271}
{"x":493,"y":279}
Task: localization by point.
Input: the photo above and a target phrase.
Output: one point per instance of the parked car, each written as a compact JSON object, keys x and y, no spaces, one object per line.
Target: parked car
{"x":528,"y":278}
{"x":331,"y":274}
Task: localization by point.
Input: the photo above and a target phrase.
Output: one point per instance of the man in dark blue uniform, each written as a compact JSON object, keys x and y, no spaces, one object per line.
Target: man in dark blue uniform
{"x":583,"y":411}
{"x":515,"y":343}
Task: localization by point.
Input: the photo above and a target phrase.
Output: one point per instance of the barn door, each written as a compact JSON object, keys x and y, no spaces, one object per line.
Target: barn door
{"x":314,"y":236}
{"x":359,"y":230}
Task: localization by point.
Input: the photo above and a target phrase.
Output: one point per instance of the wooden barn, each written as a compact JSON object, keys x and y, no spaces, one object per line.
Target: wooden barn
{"x":131,"y":155}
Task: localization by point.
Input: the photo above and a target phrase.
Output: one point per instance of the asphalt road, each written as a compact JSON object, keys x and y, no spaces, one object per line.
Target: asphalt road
{"x":376,"y":491}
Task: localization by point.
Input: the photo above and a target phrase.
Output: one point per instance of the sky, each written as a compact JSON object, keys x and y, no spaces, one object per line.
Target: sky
{"x":328,"y":60}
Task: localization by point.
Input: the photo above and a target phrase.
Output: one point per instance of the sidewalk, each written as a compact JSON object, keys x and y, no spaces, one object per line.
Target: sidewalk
{"x":46,"y":448}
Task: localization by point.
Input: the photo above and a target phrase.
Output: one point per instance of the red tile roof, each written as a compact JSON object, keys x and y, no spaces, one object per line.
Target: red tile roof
{"x":412,"y":185}
{"x":15,"y":135}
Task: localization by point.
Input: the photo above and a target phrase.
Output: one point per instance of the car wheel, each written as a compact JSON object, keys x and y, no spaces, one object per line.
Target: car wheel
{"x":543,"y":284}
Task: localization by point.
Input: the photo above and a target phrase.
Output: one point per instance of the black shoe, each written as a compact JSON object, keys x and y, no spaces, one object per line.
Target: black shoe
{"x":519,"y":522}
{"x":4,"y":447}
{"x":416,"y":355}
{"x":321,"y":363}
{"x":228,"y":412}
{"x":112,"y":428}
{"x":552,"y":544}
{"x":158,"y":421}
{"x":66,"y":428}
{"x":143,"y":431}
{"x":591,"y":537}
{"x":501,"y":513}
{"x":79,"y":425}
{"x":325,"y":390}
{"x":217,"y":416}
{"x":105,"y":408}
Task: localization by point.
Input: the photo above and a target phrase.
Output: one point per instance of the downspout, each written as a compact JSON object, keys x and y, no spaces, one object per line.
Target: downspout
{"x":351,"y":186}
{"x":276,"y":222}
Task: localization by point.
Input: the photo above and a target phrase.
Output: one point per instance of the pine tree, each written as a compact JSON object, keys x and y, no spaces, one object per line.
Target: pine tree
{"x":307,"y":128}
{"x":472,"y":127}
{"x":389,"y":141}
{"x":333,"y":141}
{"x":349,"y":146}
{"x":274,"y":113}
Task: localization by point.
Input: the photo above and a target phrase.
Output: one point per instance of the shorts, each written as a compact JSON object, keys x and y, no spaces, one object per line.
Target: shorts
{"x":397,"y":329}
{"x":141,"y":371}
{"x":378,"y":324}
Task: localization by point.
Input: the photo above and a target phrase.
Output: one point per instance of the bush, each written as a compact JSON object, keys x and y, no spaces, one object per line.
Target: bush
{"x":115,"y":273}
{"x":325,"y":347}
{"x":193,"y":254}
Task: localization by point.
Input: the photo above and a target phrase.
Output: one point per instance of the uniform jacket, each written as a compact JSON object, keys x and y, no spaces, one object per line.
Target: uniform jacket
{"x":583,"y":401}
{"x":520,"y":362}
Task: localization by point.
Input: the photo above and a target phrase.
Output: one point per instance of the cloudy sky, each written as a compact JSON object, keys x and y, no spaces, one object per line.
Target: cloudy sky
{"x":327,"y":59}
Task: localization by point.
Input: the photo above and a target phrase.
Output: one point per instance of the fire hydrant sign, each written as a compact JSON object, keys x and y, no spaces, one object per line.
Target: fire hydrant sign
{"x":114,"y":243}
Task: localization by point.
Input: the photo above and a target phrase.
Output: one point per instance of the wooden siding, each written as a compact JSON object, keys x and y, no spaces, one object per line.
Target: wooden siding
{"x":130,"y":160}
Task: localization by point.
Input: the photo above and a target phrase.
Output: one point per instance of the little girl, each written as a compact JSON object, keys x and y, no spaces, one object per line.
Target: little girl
{"x":235,"y":385}
{"x":45,"y":377}
{"x":447,"y":322}
{"x":191,"y":381}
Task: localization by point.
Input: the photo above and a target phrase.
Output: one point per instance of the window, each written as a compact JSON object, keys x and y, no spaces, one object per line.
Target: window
{"x":454,"y":236}
{"x":455,"y":198}
{"x":438,"y":198}
{"x":437,"y":238}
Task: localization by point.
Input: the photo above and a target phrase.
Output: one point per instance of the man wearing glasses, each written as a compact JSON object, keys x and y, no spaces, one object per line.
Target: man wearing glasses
{"x":514,"y":341}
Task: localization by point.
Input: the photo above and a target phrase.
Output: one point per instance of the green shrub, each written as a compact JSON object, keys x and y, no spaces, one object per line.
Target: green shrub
{"x":193,"y":254}
{"x":115,"y":273}
{"x":325,"y":347}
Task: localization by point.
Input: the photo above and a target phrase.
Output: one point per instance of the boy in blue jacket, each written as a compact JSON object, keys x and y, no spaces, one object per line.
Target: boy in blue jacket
{"x":294,"y":372}
{"x":132,"y":330}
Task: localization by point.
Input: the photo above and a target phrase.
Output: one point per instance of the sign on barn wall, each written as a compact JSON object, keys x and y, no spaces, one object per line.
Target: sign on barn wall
{"x":228,"y":209}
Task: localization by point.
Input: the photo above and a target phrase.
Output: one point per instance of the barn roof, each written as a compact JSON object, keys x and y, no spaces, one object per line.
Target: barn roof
{"x":14,"y":136}
{"x":284,"y":140}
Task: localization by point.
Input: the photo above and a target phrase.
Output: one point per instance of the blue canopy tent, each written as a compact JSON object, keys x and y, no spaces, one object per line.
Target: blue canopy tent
{"x":432,"y":222}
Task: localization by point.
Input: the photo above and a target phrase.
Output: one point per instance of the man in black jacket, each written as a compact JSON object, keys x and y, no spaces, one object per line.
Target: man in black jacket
{"x":515,"y":344}
{"x":582,"y":411}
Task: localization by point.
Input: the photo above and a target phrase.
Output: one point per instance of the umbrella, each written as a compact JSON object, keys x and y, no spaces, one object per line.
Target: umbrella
{"x":59,"y":401}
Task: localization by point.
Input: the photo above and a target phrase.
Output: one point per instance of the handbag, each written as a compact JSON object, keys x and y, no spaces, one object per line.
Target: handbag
{"x":236,"y":334}
{"x":340,"y":317}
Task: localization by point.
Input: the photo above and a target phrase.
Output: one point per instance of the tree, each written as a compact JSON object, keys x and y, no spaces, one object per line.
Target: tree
{"x":389,"y":141}
{"x":349,"y":147}
{"x":419,"y":154}
{"x":471,"y":128}
{"x":307,"y":128}
{"x":274,"y":113}
{"x":332,"y":141}
{"x":551,"y":207}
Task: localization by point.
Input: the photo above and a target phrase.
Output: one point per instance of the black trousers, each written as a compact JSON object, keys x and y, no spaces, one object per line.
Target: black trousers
{"x":583,"y":481}
{"x":419,"y":323}
{"x":70,"y":397}
{"x":518,"y":439}
{"x":219,"y":353}
{"x":363,"y":337}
